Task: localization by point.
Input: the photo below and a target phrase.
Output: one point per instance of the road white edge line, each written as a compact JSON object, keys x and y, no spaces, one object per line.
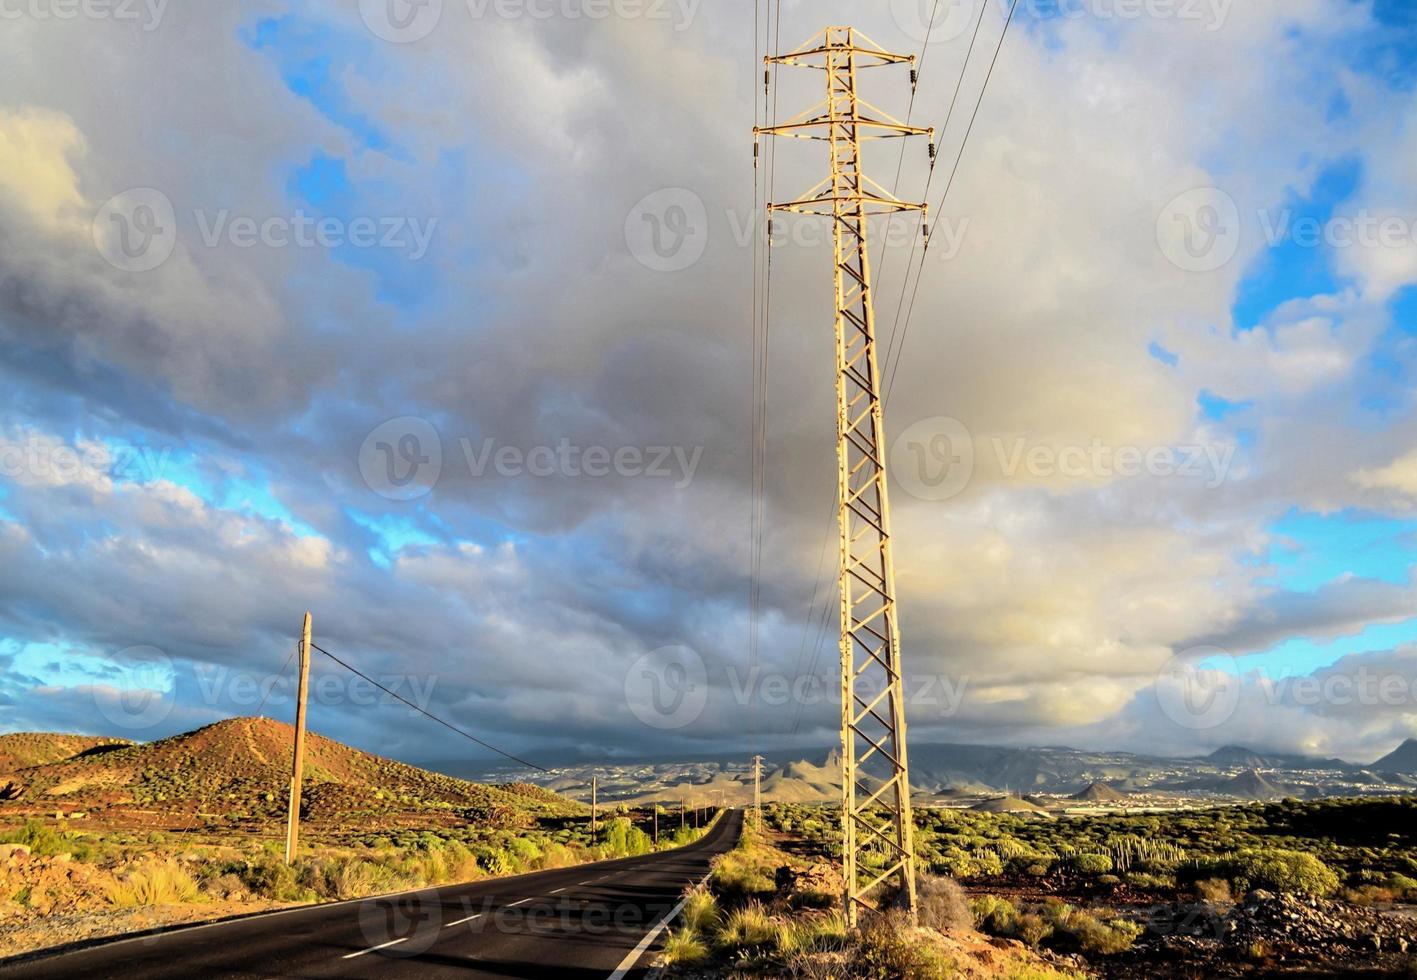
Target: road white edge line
{"x":461,"y":921}
{"x":556,"y":891}
{"x":520,"y":901}
{"x":391,"y":942}
{"x":633,"y":957}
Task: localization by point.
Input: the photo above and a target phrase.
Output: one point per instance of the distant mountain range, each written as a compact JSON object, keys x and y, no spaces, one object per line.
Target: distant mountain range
{"x":960,"y":772}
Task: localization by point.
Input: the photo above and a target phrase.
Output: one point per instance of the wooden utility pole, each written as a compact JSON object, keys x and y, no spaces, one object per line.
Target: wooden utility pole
{"x":593,"y":824}
{"x":758,"y":791}
{"x":681,"y":813}
{"x":656,"y":826}
{"x":292,"y":831}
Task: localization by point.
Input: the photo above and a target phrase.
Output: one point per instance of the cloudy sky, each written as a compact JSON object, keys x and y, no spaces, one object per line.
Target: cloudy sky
{"x":437,"y":321}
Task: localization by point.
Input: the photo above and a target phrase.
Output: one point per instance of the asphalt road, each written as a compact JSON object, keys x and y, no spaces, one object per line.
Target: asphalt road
{"x":590,"y":922}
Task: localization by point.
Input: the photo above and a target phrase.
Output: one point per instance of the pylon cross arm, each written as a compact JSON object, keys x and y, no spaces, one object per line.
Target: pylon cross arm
{"x":889,"y":129}
{"x":807,"y":57}
{"x":825,"y":205}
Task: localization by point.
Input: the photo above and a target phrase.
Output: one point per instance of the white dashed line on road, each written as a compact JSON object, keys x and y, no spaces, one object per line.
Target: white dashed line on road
{"x":520,"y":901}
{"x":461,"y":921}
{"x":391,"y":942}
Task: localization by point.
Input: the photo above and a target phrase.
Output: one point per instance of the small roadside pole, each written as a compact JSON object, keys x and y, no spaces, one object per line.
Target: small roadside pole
{"x":681,"y":813}
{"x":594,"y":825}
{"x":656,"y":826}
{"x":757,"y":791}
{"x":292,"y":834}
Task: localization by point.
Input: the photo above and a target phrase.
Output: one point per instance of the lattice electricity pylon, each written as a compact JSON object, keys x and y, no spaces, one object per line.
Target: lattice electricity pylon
{"x":872,"y":703}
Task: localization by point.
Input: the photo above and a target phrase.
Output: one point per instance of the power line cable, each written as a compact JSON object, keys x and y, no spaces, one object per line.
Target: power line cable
{"x":762,"y":338}
{"x":448,"y":725}
{"x":930,"y":177}
{"x":918,"y":73}
{"x":261,"y":708}
{"x":905,"y":329}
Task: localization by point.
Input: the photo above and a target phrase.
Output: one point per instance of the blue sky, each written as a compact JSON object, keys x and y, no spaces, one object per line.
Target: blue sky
{"x":231,"y":413}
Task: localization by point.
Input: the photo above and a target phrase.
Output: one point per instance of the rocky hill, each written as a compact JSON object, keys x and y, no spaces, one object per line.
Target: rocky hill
{"x":1401,"y":759}
{"x":22,"y":750}
{"x":1009,"y":804}
{"x":240,"y":769}
{"x":1098,"y":792}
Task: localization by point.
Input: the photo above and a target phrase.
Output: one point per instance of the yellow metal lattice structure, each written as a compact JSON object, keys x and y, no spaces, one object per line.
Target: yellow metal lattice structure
{"x":875,"y":809}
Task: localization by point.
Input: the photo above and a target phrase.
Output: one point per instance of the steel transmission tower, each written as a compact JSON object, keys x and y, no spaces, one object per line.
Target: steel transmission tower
{"x":872,"y":705}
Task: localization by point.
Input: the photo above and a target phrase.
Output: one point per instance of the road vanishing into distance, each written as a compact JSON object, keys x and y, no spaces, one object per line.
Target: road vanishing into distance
{"x":590,"y":922}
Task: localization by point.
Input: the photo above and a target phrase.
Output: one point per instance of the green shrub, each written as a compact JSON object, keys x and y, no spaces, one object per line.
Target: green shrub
{"x":493,"y":860}
{"x":40,"y":839}
{"x":153,"y":883}
{"x":1091,"y":934}
{"x":888,"y":951}
{"x":701,"y":912}
{"x":1105,"y":938}
{"x":1092,"y":864}
{"x":987,"y":864}
{"x":1033,"y":929}
{"x":356,"y":878}
{"x":1284,"y":871}
{"x":685,"y":948}
{"x":813,"y":934}
{"x":624,"y":839}
{"x":748,"y":926}
{"x":272,"y":878}
{"x":741,"y":874}
{"x":524,"y":852}
{"x":994,"y":915}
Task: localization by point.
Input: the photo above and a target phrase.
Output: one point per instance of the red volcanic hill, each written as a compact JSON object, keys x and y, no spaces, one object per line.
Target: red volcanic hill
{"x":242,"y":766}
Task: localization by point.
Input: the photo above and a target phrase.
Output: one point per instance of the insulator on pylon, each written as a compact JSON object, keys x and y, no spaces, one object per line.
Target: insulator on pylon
{"x":925,"y":230}
{"x":765,"y":79}
{"x":932,"y":149}
{"x":755,"y":151}
{"x":914,"y":76}
{"x":769,"y":228}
